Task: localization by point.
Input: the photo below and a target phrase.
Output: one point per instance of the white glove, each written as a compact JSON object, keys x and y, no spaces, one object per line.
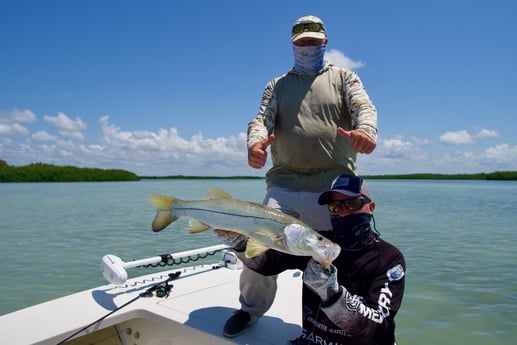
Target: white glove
{"x":323,"y":281}
{"x":238,"y":241}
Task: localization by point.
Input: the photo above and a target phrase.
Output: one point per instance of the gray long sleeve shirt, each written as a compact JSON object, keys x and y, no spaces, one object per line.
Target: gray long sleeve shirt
{"x":304,"y":111}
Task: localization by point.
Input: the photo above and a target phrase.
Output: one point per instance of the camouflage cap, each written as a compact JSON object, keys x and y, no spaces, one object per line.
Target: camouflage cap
{"x":308,"y":26}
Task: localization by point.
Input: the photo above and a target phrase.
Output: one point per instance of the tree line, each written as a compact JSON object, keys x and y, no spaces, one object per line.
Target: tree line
{"x":496,"y":175}
{"x":41,"y":172}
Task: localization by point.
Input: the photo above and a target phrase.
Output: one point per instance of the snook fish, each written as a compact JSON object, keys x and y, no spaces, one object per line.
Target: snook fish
{"x":265,"y":227}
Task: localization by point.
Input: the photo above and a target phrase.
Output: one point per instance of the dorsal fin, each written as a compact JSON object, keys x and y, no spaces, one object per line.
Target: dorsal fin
{"x":216,"y":193}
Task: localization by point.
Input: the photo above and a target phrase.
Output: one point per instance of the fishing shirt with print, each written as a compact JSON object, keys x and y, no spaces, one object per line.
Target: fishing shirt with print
{"x":372,"y":287}
{"x":304,"y":111}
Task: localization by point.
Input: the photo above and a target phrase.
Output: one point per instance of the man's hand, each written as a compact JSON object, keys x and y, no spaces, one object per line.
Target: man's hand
{"x":359,"y":141}
{"x":323,"y":281}
{"x":257,"y":154}
{"x":231,"y":239}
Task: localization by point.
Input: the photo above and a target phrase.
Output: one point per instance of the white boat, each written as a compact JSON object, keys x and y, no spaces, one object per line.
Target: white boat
{"x":177,"y":306}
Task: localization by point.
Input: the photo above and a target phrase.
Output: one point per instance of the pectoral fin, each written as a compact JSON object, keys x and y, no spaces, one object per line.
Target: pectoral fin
{"x":254,"y":249}
{"x":198,"y":226}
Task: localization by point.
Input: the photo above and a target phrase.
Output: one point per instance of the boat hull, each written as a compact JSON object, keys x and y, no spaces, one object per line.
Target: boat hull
{"x":201,"y":300}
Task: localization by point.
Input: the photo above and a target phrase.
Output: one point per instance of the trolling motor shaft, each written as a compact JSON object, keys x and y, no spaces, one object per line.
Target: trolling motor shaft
{"x":114,"y":269}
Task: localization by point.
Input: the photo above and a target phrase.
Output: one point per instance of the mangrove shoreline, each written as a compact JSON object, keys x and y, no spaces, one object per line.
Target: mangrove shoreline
{"x":41,"y":172}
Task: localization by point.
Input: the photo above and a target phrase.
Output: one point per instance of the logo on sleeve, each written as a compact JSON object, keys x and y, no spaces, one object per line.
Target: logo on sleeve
{"x":395,"y":273}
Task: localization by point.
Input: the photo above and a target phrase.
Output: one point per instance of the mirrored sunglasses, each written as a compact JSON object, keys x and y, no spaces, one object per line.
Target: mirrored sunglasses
{"x":312,"y":27}
{"x":349,"y":204}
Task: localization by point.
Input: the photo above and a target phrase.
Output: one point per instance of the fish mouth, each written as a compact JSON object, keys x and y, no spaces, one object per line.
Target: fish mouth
{"x":329,"y":254}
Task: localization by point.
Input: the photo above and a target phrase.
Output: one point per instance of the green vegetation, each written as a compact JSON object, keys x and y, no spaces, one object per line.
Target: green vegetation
{"x":183,"y":177}
{"x":40,"y":172}
{"x":497,"y":175}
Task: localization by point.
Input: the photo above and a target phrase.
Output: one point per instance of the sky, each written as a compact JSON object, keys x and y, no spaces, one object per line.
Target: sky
{"x":169,"y":87}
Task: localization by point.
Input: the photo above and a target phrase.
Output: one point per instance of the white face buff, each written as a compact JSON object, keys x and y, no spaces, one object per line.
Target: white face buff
{"x":309,"y":59}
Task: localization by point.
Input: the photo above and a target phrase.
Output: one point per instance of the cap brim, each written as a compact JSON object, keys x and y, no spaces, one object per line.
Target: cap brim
{"x":325,"y":196}
{"x":308,"y":34}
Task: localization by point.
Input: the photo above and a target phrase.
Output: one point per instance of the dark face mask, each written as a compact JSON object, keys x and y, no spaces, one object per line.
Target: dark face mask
{"x":352,"y":232}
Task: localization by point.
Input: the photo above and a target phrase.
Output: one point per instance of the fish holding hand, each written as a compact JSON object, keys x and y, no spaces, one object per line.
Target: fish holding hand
{"x":265,"y":228}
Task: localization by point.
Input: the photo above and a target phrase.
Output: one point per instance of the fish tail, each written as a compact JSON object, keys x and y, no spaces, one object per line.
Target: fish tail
{"x":164,"y":216}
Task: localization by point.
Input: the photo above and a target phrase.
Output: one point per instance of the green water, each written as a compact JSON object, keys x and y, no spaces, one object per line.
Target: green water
{"x":458,"y":238}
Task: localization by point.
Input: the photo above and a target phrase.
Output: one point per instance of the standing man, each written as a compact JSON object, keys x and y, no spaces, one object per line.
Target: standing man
{"x":316,"y":117}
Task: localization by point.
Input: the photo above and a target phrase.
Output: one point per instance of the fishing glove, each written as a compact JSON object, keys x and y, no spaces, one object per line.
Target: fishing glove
{"x":321,"y":280}
{"x":237,"y":242}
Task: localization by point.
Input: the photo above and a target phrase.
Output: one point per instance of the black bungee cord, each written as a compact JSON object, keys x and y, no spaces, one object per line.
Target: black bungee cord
{"x":161,"y":289}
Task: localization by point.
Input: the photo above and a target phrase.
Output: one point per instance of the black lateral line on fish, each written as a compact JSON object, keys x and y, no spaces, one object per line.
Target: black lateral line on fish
{"x":225,"y":213}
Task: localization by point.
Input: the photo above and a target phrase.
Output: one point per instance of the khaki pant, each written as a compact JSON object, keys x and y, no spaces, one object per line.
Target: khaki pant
{"x":258,"y":291}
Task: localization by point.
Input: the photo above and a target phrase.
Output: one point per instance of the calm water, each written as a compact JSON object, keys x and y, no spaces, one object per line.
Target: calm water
{"x":458,"y":238}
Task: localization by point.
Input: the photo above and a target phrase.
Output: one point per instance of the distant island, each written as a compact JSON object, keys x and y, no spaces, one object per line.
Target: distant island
{"x":41,"y":172}
{"x":194,"y":177}
{"x":496,"y":175}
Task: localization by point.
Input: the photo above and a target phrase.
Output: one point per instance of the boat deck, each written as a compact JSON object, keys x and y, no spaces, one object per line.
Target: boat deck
{"x":200,"y":302}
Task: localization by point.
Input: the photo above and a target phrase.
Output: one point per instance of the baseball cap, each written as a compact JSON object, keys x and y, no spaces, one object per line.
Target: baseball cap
{"x":308,"y":26}
{"x":349,"y":185}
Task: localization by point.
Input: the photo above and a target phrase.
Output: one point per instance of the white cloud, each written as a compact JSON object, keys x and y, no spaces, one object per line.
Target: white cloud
{"x":463,"y":137}
{"x":10,"y":122}
{"x":503,"y":153}
{"x":17,"y":115}
{"x":337,"y":58}
{"x":67,"y":127}
{"x":43,"y":136}
{"x":168,"y":152}
{"x":397,"y":155}
{"x":487,"y":133}
{"x":65,"y":153}
{"x":399,"y":147}
{"x":457,"y":138}
{"x":13,"y":129}
{"x":499,"y":157}
{"x":5,"y":129}
{"x":394,"y":148}
{"x":23,"y":115}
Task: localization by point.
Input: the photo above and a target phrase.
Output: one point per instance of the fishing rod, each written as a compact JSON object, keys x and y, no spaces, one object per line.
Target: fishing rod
{"x":161,"y":290}
{"x":114,"y":268}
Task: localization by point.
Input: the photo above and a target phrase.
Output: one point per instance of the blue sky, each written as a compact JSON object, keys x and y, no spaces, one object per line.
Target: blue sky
{"x":168,"y":87}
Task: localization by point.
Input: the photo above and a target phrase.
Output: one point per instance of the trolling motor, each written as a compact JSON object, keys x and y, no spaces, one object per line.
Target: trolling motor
{"x":114,"y":269}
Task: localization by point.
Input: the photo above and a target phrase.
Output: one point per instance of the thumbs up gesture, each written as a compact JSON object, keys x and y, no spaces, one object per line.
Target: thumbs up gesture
{"x":257,"y":154}
{"x":359,"y":141}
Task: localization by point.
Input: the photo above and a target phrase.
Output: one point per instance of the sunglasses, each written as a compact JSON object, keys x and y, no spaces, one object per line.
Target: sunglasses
{"x":312,"y":27}
{"x":349,"y":204}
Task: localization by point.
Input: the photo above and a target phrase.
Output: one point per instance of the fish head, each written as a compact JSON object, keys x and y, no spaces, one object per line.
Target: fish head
{"x":302,"y":240}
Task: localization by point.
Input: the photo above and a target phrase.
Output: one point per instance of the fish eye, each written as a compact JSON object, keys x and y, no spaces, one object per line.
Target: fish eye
{"x":320,"y":238}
